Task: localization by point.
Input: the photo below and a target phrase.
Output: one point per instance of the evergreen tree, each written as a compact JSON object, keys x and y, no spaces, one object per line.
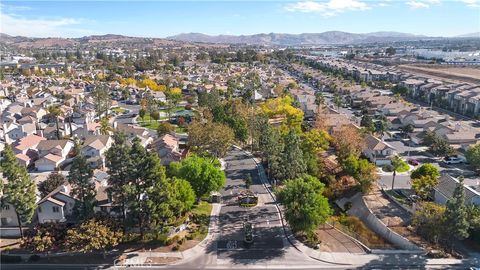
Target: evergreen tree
{"x":19,"y":190}
{"x":272,"y":145}
{"x":456,"y":214}
{"x":118,"y":163}
{"x":83,"y":187}
{"x":292,"y":163}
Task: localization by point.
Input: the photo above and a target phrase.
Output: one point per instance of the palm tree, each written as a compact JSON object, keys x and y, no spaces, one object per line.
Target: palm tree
{"x":319,"y":99}
{"x":54,"y":112}
{"x":397,"y":162}
{"x":105,"y":127}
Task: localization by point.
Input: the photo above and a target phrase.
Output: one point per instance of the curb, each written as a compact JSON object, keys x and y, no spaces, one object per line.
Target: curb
{"x":288,"y":233}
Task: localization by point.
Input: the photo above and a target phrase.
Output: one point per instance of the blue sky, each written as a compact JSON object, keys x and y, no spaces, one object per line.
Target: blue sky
{"x":164,"y":18}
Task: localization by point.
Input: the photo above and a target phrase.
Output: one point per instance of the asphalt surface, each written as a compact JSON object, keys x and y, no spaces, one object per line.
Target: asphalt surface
{"x":267,"y":229}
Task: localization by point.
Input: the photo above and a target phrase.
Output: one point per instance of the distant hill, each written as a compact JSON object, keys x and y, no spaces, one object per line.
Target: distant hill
{"x":470,"y":35}
{"x":109,"y":39}
{"x":330,"y":37}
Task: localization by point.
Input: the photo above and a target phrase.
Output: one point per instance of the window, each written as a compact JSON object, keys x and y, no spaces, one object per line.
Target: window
{"x":39,"y":209}
{"x":56,"y":209}
{"x":4,"y":221}
{"x":6,"y":207}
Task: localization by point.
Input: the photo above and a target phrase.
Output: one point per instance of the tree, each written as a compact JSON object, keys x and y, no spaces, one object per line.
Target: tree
{"x":105,"y":127}
{"x":319,"y":99}
{"x":473,"y":156}
{"x":381,"y":127}
{"x":183,"y":196}
{"x":423,"y":186}
{"x":362,"y":170}
{"x":164,"y":128}
{"x":53,"y":181}
{"x":272,"y":146}
{"x":118,"y":163}
{"x":204,"y":176}
{"x":101,"y":100}
{"x":214,"y":138}
{"x":93,"y":235}
{"x":367,"y":122}
{"x":397,"y":165}
{"x":155,"y":116}
{"x":456,"y":214}
{"x":141,"y":113}
{"x":19,"y":191}
{"x":83,"y":187}
{"x":407,"y":129}
{"x":367,"y":175}
{"x":338,"y":101}
{"x":390,"y":51}
{"x":429,"y":221}
{"x":55,"y":112}
{"x":426,"y":169}
{"x":305,"y":206}
{"x":45,"y":237}
{"x":437,"y":145}
{"x":248,"y":181}
{"x":292,"y":163}
{"x":348,"y":141}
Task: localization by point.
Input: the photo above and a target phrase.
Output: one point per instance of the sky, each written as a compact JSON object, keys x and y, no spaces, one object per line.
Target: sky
{"x":166,"y":18}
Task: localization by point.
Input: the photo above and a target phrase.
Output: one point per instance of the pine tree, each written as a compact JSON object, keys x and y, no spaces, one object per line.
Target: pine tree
{"x":20,"y":189}
{"x":83,"y":187}
{"x":119,"y":166}
{"x":456,"y":213}
{"x":292,"y":165}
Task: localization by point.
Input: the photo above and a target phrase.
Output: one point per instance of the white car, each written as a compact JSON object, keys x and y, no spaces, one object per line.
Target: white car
{"x":454,"y":160}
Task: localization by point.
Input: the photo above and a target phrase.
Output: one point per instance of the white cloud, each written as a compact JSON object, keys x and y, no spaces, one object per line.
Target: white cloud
{"x":330,"y":8}
{"x":472,"y":3}
{"x":417,"y":4}
{"x":17,"y":25}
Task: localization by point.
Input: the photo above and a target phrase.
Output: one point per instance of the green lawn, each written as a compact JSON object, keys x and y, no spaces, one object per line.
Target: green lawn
{"x":119,"y":110}
{"x":203,"y":208}
{"x":148,"y":122}
{"x":201,"y":213}
{"x":181,"y":129}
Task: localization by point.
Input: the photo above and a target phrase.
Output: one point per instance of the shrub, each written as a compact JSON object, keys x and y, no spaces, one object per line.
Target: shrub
{"x":387,"y":168}
{"x":175,"y":248}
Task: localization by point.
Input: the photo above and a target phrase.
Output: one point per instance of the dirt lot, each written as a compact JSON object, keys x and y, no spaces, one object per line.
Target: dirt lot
{"x":451,"y":73}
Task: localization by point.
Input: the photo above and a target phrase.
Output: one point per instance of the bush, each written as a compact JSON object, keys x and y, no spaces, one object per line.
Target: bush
{"x":175,"y":248}
{"x":10,"y":259}
{"x":34,"y":258}
{"x":189,"y":236}
{"x":387,"y":168}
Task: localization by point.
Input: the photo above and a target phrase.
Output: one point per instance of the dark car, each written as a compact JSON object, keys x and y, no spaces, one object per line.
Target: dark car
{"x":413,"y":162}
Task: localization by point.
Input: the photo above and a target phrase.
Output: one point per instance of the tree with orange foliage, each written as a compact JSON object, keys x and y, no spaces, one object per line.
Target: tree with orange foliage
{"x":348,"y":140}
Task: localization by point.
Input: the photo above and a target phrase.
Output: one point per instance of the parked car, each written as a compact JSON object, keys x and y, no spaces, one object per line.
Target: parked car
{"x":413,"y":162}
{"x":454,"y":160}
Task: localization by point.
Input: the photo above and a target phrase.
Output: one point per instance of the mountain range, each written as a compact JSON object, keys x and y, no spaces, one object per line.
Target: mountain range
{"x":325,"y":38}
{"x":271,"y":39}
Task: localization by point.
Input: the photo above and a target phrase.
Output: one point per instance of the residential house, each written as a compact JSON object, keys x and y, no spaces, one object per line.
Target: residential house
{"x":446,"y":186}
{"x":52,"y":154}
{"x":378,"y":151}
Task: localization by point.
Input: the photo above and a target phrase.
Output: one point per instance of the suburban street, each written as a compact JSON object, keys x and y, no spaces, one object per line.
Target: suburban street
{"x":270,"y":246}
